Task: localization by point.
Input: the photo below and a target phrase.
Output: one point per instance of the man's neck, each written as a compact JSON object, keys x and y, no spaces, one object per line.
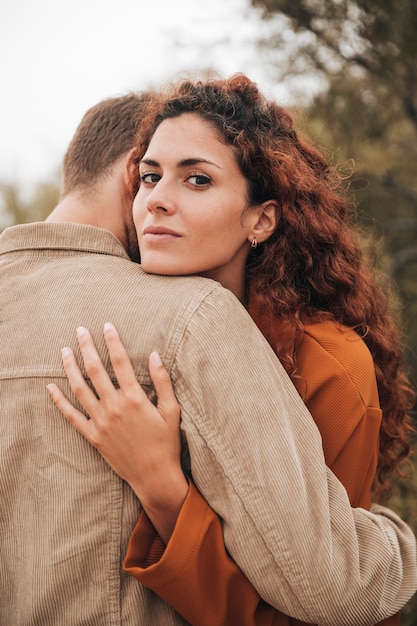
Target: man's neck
{"x":100,"y":205}
{"x":103,"y":208}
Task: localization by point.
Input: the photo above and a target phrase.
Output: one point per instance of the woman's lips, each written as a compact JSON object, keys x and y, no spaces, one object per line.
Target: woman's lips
{"x":153,"y":234}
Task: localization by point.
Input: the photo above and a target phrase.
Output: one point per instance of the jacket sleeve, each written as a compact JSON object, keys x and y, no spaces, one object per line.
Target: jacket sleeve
{"x":193,"y":573}
{"x":257,"y":458}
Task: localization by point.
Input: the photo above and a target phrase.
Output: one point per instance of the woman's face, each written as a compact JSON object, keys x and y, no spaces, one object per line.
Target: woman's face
{"x":188,"y":210}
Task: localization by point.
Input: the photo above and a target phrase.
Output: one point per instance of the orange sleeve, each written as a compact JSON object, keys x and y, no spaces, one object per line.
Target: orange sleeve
{"x":193,"y":573}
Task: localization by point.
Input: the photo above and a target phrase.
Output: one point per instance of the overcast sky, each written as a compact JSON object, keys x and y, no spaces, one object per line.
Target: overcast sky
{"x":59,"y":57}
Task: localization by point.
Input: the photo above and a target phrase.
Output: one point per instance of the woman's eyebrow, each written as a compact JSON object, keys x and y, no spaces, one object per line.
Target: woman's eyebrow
{"x":183,"y":162}
{"x":195,"y":161}
{"x":150,"y":162}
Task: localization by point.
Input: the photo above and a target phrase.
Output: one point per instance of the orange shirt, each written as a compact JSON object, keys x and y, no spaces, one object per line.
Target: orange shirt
{"x":194,"y":574}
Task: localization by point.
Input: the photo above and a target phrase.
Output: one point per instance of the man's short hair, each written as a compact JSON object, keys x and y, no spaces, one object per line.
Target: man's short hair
{"x":105,"y":133}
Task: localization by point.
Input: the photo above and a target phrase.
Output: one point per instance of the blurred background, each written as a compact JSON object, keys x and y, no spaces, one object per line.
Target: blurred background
{"x":347,"y":69}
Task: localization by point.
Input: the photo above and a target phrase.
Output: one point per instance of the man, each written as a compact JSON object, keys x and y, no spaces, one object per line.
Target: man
{"x":66,"y":517}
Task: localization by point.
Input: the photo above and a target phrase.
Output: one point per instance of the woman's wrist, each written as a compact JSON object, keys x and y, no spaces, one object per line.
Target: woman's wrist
{"x":163,"y":501}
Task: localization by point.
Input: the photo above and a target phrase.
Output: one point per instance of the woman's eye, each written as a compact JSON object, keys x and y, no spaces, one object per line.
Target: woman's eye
{"x":199,"y":180}
{"x":149,"y":177}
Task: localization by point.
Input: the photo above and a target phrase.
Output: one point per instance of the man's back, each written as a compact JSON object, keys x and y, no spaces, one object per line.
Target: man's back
{"x":66,"y":517}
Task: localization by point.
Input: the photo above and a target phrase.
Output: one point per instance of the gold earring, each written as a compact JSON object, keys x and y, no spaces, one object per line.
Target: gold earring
{"x":254,"y":243}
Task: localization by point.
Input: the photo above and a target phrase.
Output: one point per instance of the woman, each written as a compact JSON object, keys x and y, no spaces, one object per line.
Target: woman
{"x":229,"y":191}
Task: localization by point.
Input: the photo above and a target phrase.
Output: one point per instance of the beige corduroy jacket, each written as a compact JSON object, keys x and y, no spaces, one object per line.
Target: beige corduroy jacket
{"x":65,"y":517}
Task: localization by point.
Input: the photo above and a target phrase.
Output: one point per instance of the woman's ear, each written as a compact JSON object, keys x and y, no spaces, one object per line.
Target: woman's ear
{"x":267,"y":220}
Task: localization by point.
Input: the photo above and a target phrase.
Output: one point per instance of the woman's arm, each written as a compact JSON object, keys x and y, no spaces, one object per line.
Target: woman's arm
{"x":351,"y":445}
{"x":193,"y":573}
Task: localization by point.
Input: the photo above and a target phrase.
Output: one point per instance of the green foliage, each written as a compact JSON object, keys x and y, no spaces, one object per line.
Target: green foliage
{"x":371,"y":38}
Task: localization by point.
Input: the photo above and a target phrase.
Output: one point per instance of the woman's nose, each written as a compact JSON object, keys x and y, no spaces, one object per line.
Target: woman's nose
{"x":161,"y":199}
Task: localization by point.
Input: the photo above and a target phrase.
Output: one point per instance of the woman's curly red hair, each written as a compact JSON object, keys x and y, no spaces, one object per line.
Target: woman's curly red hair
{"x":313,"y":267}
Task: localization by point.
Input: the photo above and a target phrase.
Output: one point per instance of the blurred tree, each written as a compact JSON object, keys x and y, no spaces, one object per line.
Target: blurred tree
{"x":372,"y":38}
{"x":17,"y":210}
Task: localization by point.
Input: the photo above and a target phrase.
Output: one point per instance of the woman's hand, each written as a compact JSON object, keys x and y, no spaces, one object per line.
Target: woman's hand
{"x":140,"y":442}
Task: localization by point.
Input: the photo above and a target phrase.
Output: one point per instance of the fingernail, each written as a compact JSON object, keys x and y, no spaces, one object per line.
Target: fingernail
{"x":108,"y":326}
{"x":50,"y":388}
{"x":156,"y":358}
{"x":66,"y":351}
{"x":81,"y":331}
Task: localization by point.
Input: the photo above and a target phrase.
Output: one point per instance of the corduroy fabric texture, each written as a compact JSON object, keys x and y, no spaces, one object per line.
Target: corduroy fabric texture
{"x":66,"y":518}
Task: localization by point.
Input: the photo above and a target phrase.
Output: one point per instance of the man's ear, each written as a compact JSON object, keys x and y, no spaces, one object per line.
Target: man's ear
{"x":130,"y":167}
{"x":267,"y":220}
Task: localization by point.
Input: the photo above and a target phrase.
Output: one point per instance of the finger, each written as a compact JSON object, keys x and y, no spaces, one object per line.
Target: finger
{"x":94,"y":365}
{"x":79,"y":387}
{"x":167,"y":402}
{"x":68,"y":410}
{"x":122,"y":365}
